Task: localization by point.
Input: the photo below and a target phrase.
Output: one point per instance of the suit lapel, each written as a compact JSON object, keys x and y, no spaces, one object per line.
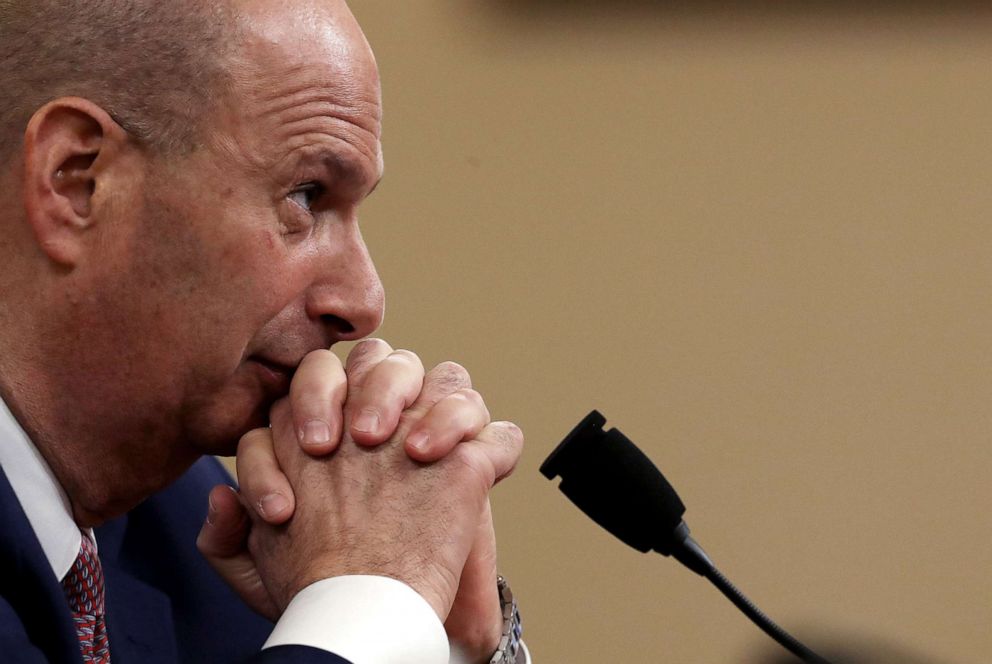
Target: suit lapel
{"x":29,"y":585}
{"x":139,"y":617}
{"x":143,"y":566}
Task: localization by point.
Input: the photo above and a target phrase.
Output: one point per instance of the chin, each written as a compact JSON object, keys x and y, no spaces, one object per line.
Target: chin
{"x":218,"y":430}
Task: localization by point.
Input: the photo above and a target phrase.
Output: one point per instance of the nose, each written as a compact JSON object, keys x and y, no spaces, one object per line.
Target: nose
{"x":347,"y":296}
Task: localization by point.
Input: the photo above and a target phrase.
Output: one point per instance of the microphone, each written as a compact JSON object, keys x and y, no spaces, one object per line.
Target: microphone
{"x":617,"y":486}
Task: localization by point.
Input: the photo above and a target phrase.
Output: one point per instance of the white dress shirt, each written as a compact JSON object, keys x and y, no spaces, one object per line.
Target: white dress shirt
{"x":365,"y":619}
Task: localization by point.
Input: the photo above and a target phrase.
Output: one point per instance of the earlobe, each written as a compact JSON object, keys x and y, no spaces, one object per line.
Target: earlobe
{"x":64,"y":142}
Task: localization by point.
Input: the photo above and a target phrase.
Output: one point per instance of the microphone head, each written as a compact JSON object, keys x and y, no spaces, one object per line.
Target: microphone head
{"x":616,"y":485}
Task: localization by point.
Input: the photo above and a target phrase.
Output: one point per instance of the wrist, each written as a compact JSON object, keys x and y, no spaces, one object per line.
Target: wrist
{"x":363,"y":618}
{"x":510,"y":650}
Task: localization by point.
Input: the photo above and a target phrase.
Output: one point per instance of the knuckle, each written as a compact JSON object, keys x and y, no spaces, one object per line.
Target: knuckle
{"x":509,"y":433}
{"x":362,"y":355}
{"x":511,"y":438}
{"x":515,"y":433}
{"x":451,"y":375}
{"x":251,"y":440}
{"x":367,"y":347}
{"x":322,"y":355}
{"x":409,"y":357}
{"x":469,"y":403}
{"x":470,"y":396}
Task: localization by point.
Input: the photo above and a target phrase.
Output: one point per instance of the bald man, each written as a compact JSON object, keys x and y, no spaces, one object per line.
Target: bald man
{"x":179,"y":186}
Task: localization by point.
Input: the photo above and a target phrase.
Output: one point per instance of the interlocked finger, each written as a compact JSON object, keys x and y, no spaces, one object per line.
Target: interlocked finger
{"x":263,"y":486}
{"x":361,"y":360}
{"x":458,"y":417}
{"x":495,"y":452}
{"x":387,"y":389}
{"x":317,"y":395}
{"x":444,"y":379}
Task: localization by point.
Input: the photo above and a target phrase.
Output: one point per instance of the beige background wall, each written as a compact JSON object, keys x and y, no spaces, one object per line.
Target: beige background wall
{"x":760,"y":243}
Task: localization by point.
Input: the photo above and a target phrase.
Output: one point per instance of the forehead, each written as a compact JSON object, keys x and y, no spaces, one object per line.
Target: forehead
{"x":305,"y":81}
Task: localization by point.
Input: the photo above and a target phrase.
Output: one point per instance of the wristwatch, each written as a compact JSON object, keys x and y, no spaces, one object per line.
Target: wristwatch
{"x":509,"y":643}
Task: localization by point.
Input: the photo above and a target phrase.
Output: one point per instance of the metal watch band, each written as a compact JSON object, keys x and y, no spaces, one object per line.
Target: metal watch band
{"x":509,"y":643}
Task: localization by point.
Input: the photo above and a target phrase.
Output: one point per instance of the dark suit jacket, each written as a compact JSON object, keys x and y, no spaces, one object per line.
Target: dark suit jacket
{"x":164,"y":603}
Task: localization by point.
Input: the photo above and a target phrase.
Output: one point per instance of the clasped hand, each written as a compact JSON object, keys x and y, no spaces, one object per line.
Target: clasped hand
{"x":375,"y":467}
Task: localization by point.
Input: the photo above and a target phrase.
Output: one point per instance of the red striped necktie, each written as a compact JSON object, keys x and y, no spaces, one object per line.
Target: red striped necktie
{"x":83,"y":587}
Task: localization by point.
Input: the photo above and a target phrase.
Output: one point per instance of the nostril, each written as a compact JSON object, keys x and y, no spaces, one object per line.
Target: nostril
{"x":339,"y":325}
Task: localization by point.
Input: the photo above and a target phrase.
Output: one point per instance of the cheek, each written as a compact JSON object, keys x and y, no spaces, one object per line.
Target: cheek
{"x":265,"y":276}
{"x":274,"y":265}
{"x":226,"y":270}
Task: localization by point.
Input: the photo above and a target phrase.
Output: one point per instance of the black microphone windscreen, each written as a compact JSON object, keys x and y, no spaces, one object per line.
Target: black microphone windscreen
{"x":616,"y":485}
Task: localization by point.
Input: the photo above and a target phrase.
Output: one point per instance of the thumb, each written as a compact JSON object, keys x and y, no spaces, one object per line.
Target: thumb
{"x":225,"y":532}
{"x":223,"y":543}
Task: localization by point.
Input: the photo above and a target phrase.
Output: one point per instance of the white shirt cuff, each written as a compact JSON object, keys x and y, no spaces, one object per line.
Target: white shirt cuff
{"x":365,"y":619}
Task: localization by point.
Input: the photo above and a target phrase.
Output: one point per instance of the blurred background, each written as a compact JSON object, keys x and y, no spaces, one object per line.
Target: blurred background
{"x":759,"y":241}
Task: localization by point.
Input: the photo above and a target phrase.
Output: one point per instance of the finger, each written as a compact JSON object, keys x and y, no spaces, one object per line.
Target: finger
{"x":362,"y":358}
{"x":225,"y":531}
{"x":317,"y":396}
{"x":457,"y":417}
{"x":475,"y":622}
{"x":223,"y":543}
{"x":444,"y":379}
{"x":500,"y":445}
{"x":388,"y":389}
{"x":285,"y":448}
{"x":263,"y":486}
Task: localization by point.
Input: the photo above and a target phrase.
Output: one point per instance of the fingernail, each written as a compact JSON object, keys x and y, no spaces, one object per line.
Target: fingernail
{"x":316,"y":432}
{"x":273,"y":505}
{"x":419,"y":440}
{"x":367,"y":421}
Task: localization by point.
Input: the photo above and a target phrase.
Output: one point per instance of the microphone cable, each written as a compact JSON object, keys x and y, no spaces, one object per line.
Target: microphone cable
{"x":758,"y":617}
{"x":692,"y":556}
{"x":618,"y":487}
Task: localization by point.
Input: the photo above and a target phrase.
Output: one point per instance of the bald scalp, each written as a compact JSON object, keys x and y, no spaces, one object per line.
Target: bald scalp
{"x":156,"y":66}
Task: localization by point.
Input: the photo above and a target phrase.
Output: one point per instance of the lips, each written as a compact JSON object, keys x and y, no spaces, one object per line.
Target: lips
{"x":275,"y":376}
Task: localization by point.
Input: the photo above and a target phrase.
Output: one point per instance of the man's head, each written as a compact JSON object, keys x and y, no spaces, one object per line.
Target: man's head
{"x":179,"y":205}
{"x":151,"y":65}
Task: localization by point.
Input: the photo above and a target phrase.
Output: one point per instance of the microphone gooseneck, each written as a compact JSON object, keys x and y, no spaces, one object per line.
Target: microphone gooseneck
{"x":617,"y":486}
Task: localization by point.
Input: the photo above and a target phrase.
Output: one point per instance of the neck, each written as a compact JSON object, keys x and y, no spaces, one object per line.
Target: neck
{"x":108,"y":449}
{"x":106,"y":465}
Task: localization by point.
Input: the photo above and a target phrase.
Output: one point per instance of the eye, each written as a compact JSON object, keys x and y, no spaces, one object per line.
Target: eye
{"x":307,"y":195}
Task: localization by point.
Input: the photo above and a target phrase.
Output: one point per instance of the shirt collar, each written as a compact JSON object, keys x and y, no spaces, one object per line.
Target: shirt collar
{"x":43,"y":500}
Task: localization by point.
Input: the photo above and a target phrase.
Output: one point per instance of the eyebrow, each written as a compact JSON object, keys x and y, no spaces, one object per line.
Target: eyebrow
{"x":350,"y":171}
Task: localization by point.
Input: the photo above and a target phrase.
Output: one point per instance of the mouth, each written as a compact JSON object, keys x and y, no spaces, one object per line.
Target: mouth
{"x":274,"y":376}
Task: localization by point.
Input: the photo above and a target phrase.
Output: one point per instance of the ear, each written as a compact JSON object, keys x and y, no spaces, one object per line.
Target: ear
{"x":67,"y":146}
